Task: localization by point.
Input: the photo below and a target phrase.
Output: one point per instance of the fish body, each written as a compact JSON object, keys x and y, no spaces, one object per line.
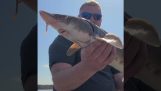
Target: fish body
{"x":81,"y":32}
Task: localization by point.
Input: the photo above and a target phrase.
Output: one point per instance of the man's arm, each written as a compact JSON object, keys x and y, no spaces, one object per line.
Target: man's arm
{"x":93,"y":58}
{"x":68,"y":78}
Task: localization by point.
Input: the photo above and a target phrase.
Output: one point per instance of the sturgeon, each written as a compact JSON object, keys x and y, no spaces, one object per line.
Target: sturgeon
{"x":81,"y":32}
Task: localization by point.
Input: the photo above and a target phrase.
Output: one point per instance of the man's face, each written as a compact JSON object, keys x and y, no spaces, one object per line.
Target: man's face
{"x":87,"y":10}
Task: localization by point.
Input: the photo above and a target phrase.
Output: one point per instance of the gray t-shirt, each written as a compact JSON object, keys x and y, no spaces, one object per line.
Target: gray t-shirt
{"x":101,"y":81}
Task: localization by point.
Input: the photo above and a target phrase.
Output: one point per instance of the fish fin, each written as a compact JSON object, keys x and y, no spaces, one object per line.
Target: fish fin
{"x":46,"y":27}
{"x":73,"y":48}
{"x":111,"y":39}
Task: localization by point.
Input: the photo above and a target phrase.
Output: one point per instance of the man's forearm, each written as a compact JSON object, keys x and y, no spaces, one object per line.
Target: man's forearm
{"x":73,"y":77}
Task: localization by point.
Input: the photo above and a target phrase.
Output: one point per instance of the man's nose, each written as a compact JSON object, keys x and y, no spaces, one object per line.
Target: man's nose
{"x":92,"y":20}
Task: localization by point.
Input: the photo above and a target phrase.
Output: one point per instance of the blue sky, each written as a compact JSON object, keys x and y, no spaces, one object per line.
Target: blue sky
{"x":112,"y":21}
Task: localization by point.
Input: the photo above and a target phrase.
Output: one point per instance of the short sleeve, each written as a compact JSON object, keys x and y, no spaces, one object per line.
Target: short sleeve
{"x":114,"y":71}
{"x":57,"y":52}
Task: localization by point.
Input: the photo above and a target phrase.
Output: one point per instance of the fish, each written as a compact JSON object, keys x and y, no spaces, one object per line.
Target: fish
{"x":143,"y":31}
{"x":81,"y":32}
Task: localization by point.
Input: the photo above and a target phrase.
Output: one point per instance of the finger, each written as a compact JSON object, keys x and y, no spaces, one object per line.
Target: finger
{"x":82,"y":53}
{"x":110,"y":57}
{"x":105,"y":53}
{"x":97,"y":52}
{"x":92,"y":47}
{"x":87,"y":51}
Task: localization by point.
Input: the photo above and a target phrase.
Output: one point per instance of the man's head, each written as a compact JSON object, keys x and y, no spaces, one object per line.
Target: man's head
{"x":92,"y":11}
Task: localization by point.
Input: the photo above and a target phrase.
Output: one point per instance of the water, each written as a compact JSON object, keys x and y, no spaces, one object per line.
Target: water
{"x":45,"y":90}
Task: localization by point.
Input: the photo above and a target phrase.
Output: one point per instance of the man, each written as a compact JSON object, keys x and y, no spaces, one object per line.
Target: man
{"x":86,"y":70}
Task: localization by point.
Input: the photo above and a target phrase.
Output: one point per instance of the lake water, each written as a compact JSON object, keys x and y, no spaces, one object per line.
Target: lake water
{"x":46,"y":90}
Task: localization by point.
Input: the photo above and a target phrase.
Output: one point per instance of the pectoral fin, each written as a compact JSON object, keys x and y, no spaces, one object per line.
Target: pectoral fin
{"x":73,"y":48}
{"x":111,"y":39}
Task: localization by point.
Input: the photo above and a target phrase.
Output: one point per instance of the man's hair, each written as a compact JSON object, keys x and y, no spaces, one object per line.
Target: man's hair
{"x":90,"y":3}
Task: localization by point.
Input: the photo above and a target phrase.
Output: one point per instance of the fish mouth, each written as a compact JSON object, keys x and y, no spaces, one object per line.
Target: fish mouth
{"x":61,"y":31}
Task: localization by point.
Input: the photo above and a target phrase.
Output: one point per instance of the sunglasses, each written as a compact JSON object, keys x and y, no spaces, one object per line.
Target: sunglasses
{"x":88,"y":16}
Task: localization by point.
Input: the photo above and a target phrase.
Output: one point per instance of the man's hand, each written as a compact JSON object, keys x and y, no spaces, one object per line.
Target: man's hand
{"x":97,"y":55}
{"x":93,"y":58}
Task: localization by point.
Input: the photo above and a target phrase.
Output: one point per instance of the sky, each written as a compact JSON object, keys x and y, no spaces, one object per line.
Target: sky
{"x":112,"y":21}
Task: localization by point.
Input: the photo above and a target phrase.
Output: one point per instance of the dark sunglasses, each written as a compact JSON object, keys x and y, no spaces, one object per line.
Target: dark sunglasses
{"x":88,"y":16}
